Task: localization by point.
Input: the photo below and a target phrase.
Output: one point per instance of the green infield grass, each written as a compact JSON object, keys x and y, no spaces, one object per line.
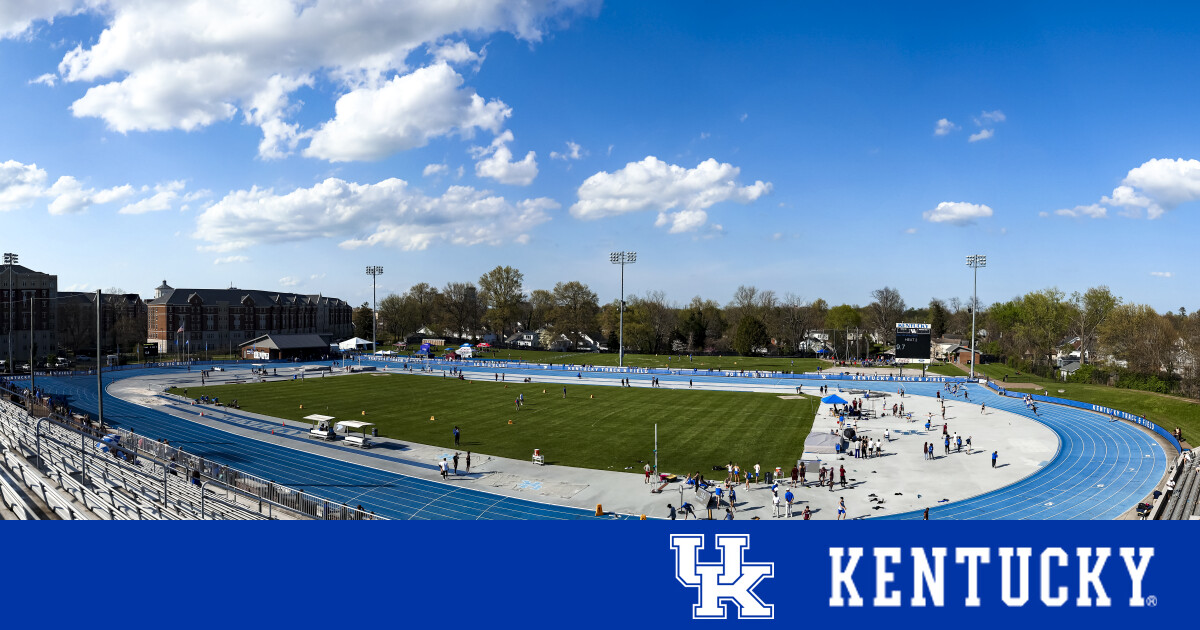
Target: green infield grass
{"x":602,"y":427}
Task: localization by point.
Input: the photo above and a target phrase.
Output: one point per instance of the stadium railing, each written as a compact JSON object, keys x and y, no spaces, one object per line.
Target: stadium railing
{"x":265,"y":494}
{"x":567,"y":367}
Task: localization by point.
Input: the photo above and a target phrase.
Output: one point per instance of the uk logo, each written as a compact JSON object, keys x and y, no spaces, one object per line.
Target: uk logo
{"x":730,"y":581}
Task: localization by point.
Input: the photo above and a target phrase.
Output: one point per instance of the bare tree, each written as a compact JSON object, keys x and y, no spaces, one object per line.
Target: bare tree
{"x":886,"y":309}
{"x":1091,"y":310}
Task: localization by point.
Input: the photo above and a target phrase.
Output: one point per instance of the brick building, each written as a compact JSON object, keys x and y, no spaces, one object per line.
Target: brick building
{"x":17,"y":285}
{"x":122,"y":321}
{"x":222,"y":319}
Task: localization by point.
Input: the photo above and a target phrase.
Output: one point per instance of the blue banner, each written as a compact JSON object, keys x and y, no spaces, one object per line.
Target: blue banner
{"x":650,"y":574}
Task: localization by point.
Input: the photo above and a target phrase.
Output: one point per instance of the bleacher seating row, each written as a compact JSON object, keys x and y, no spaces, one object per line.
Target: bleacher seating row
{"x":78,"y":481}
{"x":1183,"y":500}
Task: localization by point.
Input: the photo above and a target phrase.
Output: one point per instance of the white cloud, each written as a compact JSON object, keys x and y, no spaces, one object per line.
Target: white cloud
{"x":1155,"y":187}
{"x":23,"y":184}
{"x":164,"y":197}
{"x":192,"y":63}
{"x":574,"y":152}
{"x":288,"y":281}
{"x":20,"y":184}
{"x":457,"y":53}
{"x":374,"y":122}
{"x":982,"y":134}
{"x":1161,"y":274}
{"x":743,"y":117}
{"x":778,"y":236}
{"x":231,"y":259}
{"x":990,"y":118}
{"x":910,"y":231}
{"x":652,"y":184}
{"x":387,"y":213}
{"x":435,"y":169}
{"x":957,"y":213}
{"x":48,"y":80}
{"x":71,"y":197}
{"x":495,"y":162}
{"x":18,"y":16}
{"x":1158,"y":185}
{"x":943,"y":127}
{"x":316,"y":276}
{"x":1094,"y":211}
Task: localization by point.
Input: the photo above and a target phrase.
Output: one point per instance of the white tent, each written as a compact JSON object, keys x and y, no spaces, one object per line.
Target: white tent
{"x":354,"y":344}
{"x":465,"y":353}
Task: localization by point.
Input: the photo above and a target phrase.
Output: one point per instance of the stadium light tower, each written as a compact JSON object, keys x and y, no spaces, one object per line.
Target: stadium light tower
{"x":374,"y":271}
{"x":10,"y":259}
{"x":622,"y":258}
{"x":975,"y":261}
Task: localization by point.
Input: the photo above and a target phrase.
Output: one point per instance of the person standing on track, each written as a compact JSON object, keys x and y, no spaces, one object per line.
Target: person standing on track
{"x":841,"y":509}
{"x":456,"y":464}
{"x":468,"y":471}
{"x":995,"y":455}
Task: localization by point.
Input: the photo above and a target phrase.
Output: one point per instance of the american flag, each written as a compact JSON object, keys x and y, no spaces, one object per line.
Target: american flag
{"x":180,"y":329}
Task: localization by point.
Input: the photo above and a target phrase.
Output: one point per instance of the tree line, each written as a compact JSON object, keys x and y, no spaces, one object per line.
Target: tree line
{"x":1027,"y":331}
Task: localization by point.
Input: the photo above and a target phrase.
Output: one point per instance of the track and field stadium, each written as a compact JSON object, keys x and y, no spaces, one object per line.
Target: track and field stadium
{"x":1055,"y":461}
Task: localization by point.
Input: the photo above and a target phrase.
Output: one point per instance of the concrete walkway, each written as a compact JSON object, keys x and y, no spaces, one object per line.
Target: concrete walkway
{"x":902,"y":469}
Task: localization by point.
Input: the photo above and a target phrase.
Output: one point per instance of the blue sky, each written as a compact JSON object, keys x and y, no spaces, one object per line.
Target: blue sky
{"x":818,"y":151}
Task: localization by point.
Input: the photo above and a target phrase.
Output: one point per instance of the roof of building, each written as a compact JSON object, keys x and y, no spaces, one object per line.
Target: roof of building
{"x":287,"y":342}
{"x":21,"y":269}
{"x":89,"y":297}
{"x":231,"y":295}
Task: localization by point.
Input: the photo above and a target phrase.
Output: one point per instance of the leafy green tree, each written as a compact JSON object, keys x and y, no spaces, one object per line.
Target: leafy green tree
{"x":751,"y":334}
{"x":575,"y":309}
{"x":937,"y":318}
{"x":363,"y":321}
{"x":500,"y":291}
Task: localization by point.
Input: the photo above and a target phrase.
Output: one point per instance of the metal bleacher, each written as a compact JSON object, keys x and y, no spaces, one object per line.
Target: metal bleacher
{"x":1183,"y":501}
{"x":59,"y":468}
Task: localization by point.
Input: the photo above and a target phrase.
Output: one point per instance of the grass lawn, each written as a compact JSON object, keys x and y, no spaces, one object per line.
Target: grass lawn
{"x":661,"y":361}
{"x":1165,"y":411}
{"x":997,"y":371}
{"x":940,"y":369}
{"x":613,"y":431}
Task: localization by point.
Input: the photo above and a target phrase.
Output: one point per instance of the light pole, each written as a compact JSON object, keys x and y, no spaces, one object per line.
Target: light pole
{"x":975,"y":261}
{"x":374,"y":271}
{"x":10,"y":259}
{"x":622,"y":258}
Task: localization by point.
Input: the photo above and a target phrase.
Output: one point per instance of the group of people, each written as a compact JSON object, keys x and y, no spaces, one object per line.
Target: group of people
{"x":444,"y":466}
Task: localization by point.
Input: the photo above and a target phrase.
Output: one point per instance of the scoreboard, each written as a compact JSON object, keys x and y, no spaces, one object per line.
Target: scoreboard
{"x":912,"y":343}
{"x":149,"y":349}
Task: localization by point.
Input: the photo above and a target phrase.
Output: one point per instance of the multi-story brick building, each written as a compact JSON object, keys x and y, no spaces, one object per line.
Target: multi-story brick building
{"x":17,"y":285}
{"x":122,"y":321}
{"x":221,"y":319}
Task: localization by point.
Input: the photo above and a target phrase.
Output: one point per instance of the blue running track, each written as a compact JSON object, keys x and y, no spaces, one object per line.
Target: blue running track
{"x":1102,"y":468}
{"x":388,"y":494}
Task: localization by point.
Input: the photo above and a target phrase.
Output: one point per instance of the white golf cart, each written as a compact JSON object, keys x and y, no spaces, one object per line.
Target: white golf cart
{"x":322,"y":427}
{"x":361,"y":441}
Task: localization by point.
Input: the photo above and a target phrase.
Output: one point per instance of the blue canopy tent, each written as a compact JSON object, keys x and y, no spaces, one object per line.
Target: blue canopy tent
{"x":833,"y":399}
